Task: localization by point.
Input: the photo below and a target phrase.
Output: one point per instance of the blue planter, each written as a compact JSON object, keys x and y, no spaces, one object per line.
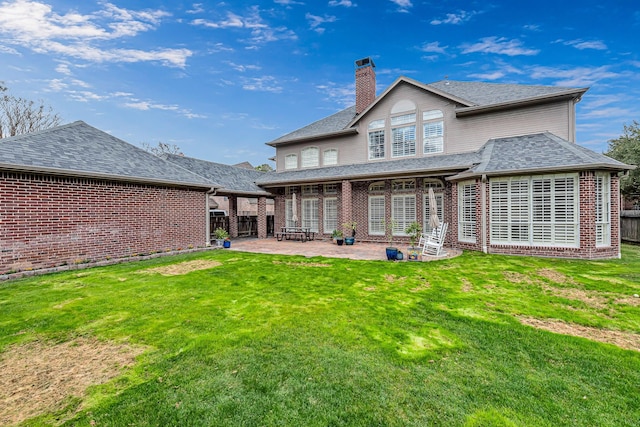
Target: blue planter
{"x":349,"y":240}
{"x":226,"y":244}
{"x":392,"y":254}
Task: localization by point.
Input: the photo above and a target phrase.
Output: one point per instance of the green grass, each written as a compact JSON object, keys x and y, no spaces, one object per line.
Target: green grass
{"x":271,"y":340}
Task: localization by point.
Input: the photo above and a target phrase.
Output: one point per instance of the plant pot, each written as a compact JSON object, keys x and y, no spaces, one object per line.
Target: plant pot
{"x":349,"y":240}
{"x":219,"y":243}
{"x":226,"y":244}
{"x":413,"y":254}
{"x":400,"y":256}
{"x":339,"y":242}
{"x":392,"y":253}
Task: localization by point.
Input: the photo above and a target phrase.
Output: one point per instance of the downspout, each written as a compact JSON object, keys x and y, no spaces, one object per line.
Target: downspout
{"x":483,"y":203}
{"x":211,"y":192}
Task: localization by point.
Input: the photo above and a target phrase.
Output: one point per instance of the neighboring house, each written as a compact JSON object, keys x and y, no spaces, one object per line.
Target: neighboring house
{"x":501,"y":159}
{"x":74,"y":194}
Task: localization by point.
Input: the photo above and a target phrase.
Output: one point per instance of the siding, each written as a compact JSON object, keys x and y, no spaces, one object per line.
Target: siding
{"x":49,"y":221}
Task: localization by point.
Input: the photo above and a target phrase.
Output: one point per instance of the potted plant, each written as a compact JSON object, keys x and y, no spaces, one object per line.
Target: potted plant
{"x":351,"y":225}
{"x":220,"y":235}
{"x":392,"y":251}
{"x":338,"y":237}
{"x":414,"y":230}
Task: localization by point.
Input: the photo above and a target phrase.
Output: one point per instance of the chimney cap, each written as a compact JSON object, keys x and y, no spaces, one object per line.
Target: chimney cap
{"x":365,"y":62}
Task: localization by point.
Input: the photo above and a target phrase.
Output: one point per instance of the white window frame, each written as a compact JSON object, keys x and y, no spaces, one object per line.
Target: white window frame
{"x":403,"y":185}
{"x":467,"y":211}
{"x":603,"y":209}
{"x":310,"y":157}
{"x":403,"y":141}
{"x":309,"y":217}
{"x":376,"y":187}
{"x":330,"y":214}
{"x":291,"y":161}
{"x":330,"y":188}
{"x":377,"y":215}
{"x":309,"y":190}
{"x":535,"y":210}
{"x":403,"y":212}
{"x":330,"y":157}
{"x":376,"y":144}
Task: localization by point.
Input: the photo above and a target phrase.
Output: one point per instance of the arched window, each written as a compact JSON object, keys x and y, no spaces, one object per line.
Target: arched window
{"x":376,"y":187}
{"x":291,"y":161}
{"x":310,"y":157}
{"x":330,"y":157}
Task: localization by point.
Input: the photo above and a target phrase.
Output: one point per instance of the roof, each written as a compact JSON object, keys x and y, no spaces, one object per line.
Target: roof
{"x":77,"y":149}
{"x":536,"y":153}
{"x":229,"y":179}
{"x":526,"y":154}
{"x":472,"y":97}
{"x":442,"y":164}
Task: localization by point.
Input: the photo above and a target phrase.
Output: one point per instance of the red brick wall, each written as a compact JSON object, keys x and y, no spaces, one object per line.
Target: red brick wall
{"x":365,"y":88}
{"x":49,"y":221}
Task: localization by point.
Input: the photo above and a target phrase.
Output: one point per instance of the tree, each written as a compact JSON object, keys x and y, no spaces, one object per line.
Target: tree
{"x":20,"y":115}
{"x":627,"y":149}
{"x":264,"y":168}
{"x":162,"y":148}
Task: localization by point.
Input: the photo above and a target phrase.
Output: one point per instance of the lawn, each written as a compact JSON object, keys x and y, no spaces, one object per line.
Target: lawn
{"x":223,"y":338}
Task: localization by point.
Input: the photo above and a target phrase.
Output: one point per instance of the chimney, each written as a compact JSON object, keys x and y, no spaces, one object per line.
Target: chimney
{"x":365,"y":84}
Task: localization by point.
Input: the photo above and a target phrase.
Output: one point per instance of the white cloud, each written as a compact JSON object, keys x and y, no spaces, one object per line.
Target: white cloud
{"x":454,"y":18}
{"x":494,"y":75}
{"x":195,"y":9}
{"x":498,"y":45}
{"x":345,"y":3}
{"x":581,"y":44}
{"x":242,"y":68}
{"x":287,"y":2}
{"x":433,"y":47}
{"x":64,"y":69}
{"x":262,"y":84}
{"x":577,"y":77}
{"x":403,"y":5}
{"x":343,"y":95}
{"x":316,"y":22}
{"x":147,"y":105}
{"x":36,"y":26}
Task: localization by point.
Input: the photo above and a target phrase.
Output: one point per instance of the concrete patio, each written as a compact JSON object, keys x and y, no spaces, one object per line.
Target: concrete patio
{"x":326,"y":248}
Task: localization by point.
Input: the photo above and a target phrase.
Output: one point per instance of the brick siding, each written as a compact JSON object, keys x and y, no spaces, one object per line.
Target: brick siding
{"x":47,"y":221}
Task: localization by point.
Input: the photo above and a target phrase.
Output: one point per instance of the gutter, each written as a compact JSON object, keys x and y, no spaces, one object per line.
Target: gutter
{"x":335,"y":134}
{"x":537,"y":171}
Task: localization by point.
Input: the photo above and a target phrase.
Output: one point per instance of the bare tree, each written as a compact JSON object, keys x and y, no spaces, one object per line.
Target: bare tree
{"x":162,"y":148}
{"x":20,"y":115}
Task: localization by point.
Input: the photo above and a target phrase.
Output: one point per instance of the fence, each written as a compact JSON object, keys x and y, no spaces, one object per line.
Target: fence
{"x":247,"y":225}
{"x":630,"y":226}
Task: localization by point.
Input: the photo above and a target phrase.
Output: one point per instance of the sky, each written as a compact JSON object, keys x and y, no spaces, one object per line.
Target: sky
{"x":220,"y":79}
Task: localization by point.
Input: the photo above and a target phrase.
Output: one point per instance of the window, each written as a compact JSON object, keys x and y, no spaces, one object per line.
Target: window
{"x":426,"y":213}
{"x":403,"y":141}
{"x":433,"y":132}
{"x":330,"y":157}
{"x":310,"y":214}
{"x":310,"y":157}
{"x":403,"y":184}
{"x":376,"y":215}
{"x":291,"y":161}
{"x":309,"y":190}
{"x":376,"y":139}
{"x":331,"y":189}
{"x":436,"y":184}
{"x":535,"y":210}
{"x":376,"y":187}
{"x":603,"y":212}
{"x":289,"y":190}
{"x":467,"y":211}
{"x":403,"y":213}
{"x":330,"y":214}
{"x":403,"y":119}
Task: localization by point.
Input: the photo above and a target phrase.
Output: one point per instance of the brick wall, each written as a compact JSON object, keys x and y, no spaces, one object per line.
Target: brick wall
{"x":47,"y":221}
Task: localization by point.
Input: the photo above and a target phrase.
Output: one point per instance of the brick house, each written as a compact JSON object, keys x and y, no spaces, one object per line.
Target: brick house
{"x":75,"y":194}
{"x":501,"y":159}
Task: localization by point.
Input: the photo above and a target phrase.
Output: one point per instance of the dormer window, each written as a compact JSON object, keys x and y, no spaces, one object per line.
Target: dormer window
{"x":433,"y":131}
{"x":403,"y":138}
{"x":291,"y":161}
{"x":310,"y":157}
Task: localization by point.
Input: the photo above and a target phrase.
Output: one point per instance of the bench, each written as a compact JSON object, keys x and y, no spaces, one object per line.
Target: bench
{"x":291,"y":235}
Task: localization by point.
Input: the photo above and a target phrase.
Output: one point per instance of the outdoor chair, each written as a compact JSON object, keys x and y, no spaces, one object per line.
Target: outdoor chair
{"x":434,"y":242}
{"x":435,"y":232}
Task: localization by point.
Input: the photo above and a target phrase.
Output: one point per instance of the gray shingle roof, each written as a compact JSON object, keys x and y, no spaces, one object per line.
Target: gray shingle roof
{"x":476,"y":94}
{"x":230,"y":179}
{"x":450,"y":163}
{"x":78,"y":149}
{"x":538,"y":153}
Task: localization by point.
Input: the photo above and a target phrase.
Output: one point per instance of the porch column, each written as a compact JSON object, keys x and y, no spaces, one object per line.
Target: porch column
{"x":346,"y":204}
{"x":262,"y":217}
{"x":233,"y":216}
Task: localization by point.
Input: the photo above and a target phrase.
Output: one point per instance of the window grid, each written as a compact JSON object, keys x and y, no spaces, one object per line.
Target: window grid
{"x":403,"y":119}
{"x":331,"y":189}
{"x":376,"y":216}
{"x":376,"y":145}
{"x":433,"y":137}
{"x":376,"y":187}
{"x":404,"y":141}
{"x":330,"y":214}
{"x":467,"y":212}
{"x":403,"y":185}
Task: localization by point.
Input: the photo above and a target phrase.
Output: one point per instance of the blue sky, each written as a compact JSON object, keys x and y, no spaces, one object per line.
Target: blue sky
{"x":219,"y":79}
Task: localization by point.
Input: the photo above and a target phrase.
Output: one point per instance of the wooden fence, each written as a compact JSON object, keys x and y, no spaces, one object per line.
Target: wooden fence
{"x":247,"y":225}
{"x":630,"y":226}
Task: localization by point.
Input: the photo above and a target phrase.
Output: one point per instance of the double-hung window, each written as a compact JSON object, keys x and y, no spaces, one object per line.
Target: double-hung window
{"x":433,"y":132}
{"x":403,"y":138}
{"x":376,"y":139}
{"x":603,"y":209}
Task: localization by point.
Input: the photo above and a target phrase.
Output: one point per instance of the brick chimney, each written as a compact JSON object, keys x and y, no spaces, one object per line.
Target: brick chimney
{"x":365,"y":84}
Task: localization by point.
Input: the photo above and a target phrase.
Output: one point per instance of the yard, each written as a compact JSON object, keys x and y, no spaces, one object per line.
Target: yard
{"x":231,"y":338}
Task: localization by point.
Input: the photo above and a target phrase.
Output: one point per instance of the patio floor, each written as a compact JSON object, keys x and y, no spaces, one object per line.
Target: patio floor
{"x":326,"y":248}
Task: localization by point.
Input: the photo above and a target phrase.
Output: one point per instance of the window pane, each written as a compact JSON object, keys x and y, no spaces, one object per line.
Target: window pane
{"x":404,"y":141}
{"x":432,"y":114}
{"x":291,"y":161}
{"x":376,"y":215}
{"x":376,"y":124}
{"x":467,"y":212}
{"x":310,"y":214}
{"x":403,"y":213}
{"x":330,"y":157}
{"x":376,"y":145}
{"x":310,"y":157}
{"x":330,"y":215}
{"x":403,"y":119}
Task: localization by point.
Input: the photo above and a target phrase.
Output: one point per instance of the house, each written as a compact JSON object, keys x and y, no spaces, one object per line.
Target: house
{"x":74,"y":194}
{"x":502,"y":160}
